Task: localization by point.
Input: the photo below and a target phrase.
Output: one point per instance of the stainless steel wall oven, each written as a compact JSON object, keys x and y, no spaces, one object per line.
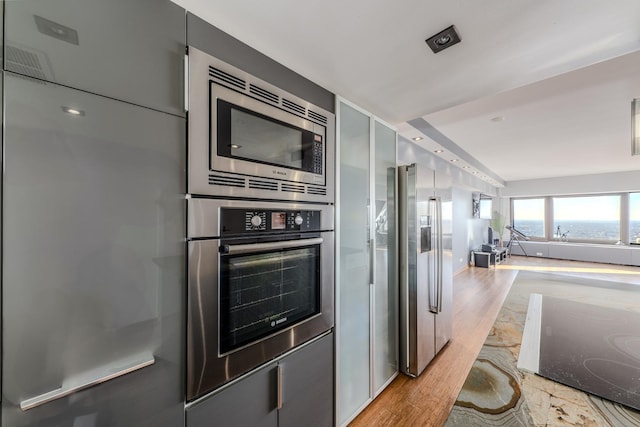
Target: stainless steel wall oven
{"x":248,"y":138}
{"x":260,"y":284}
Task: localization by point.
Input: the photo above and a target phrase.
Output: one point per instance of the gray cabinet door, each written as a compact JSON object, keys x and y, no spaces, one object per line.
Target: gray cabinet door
{"x":307,"y":386}
{"x":93,"y":259}
{"x":305,"y":383}
{"x":124,"y":49}
{"x":251,"y":402}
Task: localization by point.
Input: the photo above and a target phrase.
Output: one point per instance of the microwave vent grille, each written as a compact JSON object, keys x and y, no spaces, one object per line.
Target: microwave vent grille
{"x":230,"y":80}
{"x":317,"y":117}
{"x":263,"y":185}
{"x":226,"y":181}
{"x":227,"y":78}
{"x":319,"y":191}
{"x":292,"y":188}
{"x":293,"y":106}
{"x":262,"y":93}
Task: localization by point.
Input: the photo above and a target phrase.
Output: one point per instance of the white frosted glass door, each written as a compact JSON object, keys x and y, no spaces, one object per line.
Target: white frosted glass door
{"x":385,"y":327}
{"x":353,"y":281}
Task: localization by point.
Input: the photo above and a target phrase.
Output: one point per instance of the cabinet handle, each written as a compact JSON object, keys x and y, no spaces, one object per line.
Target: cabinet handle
{"x":75,"y":385}
{"x":279,"y":391}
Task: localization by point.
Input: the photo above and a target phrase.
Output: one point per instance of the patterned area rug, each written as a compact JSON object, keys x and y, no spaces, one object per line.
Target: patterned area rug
{"x":496,"y":393}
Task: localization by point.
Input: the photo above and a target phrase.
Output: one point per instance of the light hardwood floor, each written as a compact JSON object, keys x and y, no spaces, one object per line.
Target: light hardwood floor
{"x":478,"y":297}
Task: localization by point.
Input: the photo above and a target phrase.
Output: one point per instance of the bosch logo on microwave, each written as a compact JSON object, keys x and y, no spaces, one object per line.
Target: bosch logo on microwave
{"x":281,"y":173}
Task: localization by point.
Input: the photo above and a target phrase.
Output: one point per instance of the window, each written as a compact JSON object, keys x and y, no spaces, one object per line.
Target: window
{"x":589,"y":218}
{"x":528,"y":216}
{"x":486,"y":204}
{"x":634,"y":218}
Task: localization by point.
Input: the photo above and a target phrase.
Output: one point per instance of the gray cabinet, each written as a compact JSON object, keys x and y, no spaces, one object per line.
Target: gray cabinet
{"x":301,"y":384}
{"x":123,"y":49}
{"x":93,"y":260}
{"x":249,"y":402}
{"x":307,"y":386}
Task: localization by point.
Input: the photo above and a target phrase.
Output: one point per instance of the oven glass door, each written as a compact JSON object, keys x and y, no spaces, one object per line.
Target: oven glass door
{"x":264,"y":291}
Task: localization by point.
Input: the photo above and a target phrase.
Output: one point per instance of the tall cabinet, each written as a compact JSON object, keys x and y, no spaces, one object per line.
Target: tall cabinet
{"x":367,"y":285}
{"x":93,"y":213}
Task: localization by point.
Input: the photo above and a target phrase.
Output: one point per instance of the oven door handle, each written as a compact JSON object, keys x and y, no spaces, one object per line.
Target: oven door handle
{"x":256,"y":247}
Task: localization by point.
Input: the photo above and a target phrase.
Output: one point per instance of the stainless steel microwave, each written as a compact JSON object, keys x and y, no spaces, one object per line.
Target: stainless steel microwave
{"x":250,"y":139}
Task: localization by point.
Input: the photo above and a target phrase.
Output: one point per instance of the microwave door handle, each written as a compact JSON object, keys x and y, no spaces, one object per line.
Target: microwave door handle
{"x":256,"y":247}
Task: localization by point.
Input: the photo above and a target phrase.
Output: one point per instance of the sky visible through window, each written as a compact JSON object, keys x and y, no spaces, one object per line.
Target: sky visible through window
{"x":529,"y":209}
{"x":634,"y":206}
{"x":598,"y":208}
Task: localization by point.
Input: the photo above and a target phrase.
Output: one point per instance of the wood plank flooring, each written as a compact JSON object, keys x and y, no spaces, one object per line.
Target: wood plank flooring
{"x":478,"y":297}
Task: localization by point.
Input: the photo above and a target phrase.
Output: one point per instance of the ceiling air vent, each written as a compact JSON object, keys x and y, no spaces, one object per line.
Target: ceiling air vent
{"x":227,"y":78}
{"x":22,"y":61}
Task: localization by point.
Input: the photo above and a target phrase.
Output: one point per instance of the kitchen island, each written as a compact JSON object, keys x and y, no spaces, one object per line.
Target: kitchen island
{"x":497,"y":393}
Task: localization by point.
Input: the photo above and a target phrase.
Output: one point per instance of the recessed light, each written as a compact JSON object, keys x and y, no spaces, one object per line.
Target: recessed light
{"x":438,"y":151}
{"x":72,"y":111}
{"x":57,"y":31}
{"x":235,"y":146}
{"x":475,"y":172}
{"x":418,"y":138}
{"x":454,"y":160}
{"x":465,"y":167}
{"x":444,"y":39}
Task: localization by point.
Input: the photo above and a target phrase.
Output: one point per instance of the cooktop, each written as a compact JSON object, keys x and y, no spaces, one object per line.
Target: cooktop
{"x":589,"y":347}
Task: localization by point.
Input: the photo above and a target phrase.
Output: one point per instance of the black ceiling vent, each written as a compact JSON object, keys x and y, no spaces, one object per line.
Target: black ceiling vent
{"x":444,"y":39}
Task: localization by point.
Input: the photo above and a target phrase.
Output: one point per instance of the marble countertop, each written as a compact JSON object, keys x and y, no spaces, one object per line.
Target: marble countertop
{"x":497,"y":393}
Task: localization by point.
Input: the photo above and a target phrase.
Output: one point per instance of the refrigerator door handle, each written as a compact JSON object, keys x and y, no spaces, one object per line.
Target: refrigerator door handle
{"x":432,"y":274}
{"x":440,"y":245}
{"x":435,"y":286}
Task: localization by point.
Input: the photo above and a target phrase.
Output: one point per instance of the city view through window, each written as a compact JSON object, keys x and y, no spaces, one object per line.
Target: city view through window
{"x":578,"y":218}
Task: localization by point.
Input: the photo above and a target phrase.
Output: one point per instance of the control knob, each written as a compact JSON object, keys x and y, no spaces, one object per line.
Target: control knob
{"x":298,"y":219}
{"x":256,"y":221}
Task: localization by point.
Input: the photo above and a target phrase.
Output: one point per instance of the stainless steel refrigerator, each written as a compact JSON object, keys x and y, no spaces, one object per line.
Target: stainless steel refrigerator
{"x":426,"y":314}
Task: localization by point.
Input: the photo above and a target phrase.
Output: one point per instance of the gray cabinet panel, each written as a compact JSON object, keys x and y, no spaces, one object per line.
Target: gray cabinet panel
{"x":215,"y":42}
{"x":249,"y":402}
{"x":128,"y":50}
{"x":93,"y":258}
{"x":307,"y":386}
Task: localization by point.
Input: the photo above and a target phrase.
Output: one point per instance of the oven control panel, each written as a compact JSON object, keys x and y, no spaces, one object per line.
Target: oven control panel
{"x":249,"y":221}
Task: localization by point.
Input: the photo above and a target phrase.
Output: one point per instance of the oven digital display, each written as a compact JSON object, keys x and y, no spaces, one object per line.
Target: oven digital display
{"x":278,"y":220}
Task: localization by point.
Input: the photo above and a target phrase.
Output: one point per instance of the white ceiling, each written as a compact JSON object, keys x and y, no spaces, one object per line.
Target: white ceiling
{"x":561,"y":73}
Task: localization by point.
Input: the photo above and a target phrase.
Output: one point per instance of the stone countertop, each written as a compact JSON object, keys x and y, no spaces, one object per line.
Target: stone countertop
{"x":496,"y":393}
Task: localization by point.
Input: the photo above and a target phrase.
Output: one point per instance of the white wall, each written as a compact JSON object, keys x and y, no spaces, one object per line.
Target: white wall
{"x":583,"y":184}
{"x":468,"y":232}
